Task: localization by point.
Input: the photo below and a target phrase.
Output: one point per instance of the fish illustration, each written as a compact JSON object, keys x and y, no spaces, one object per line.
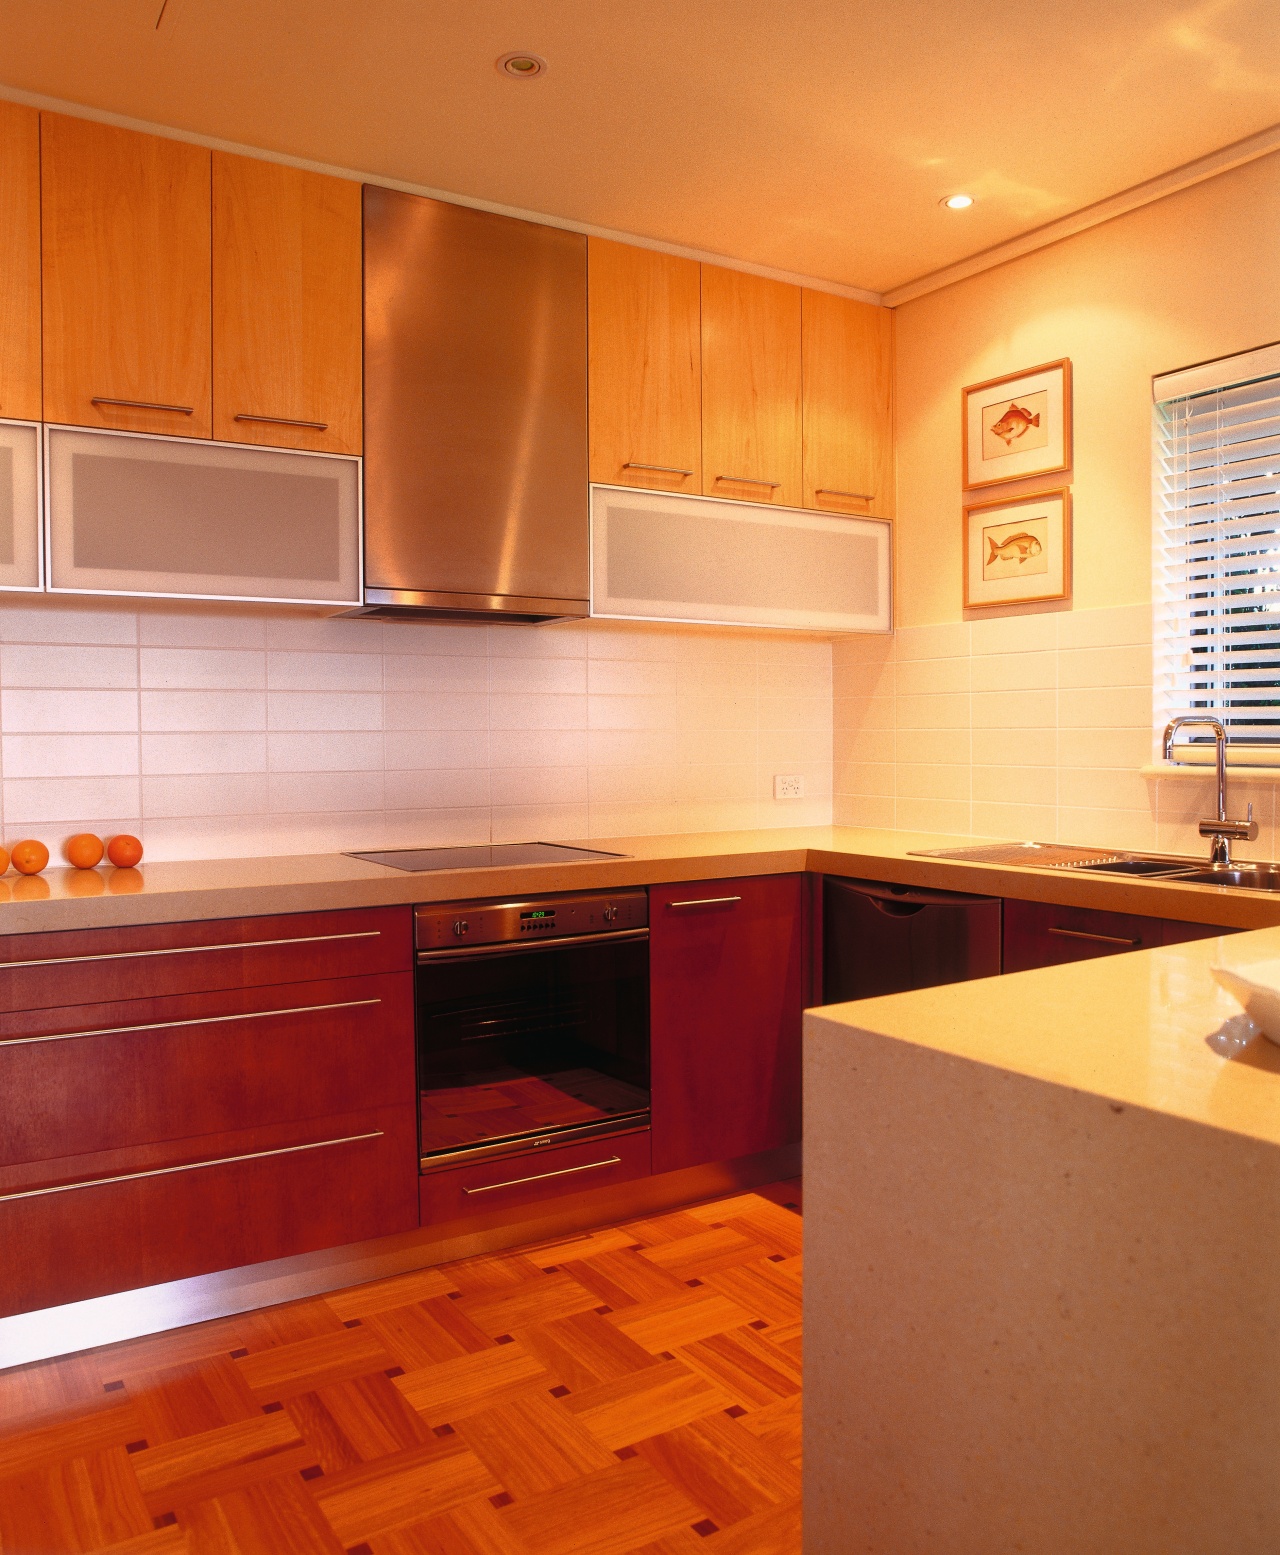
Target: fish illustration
{"x":1014,"y":424}
{"x":1020,"y":548}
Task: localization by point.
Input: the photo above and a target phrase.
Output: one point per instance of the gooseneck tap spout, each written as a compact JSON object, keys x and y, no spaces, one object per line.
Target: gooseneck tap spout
{"x":1221,"y":829}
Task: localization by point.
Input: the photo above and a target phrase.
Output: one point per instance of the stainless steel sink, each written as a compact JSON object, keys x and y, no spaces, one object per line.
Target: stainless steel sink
{"x":1150,"y":868}
{"x":1246,"y":877}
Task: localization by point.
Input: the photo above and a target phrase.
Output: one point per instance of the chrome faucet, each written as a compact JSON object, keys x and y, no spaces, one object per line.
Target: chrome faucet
{"x":1222,"y":830}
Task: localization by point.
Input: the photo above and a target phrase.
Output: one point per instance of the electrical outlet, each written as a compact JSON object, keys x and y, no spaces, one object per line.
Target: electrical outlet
{"x":788,"y":787}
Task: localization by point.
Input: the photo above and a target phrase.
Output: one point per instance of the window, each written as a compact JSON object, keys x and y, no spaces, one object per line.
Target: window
{"x":1217,"y":551}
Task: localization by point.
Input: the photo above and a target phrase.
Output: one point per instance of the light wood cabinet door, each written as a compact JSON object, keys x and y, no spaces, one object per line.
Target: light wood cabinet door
{"x":751,"y":387}
{"x":848,"y":408}
{"x":126,"y":262}
{"x":19,"y":262}
{"x":286,"y":306}
{"x":644,"y":352}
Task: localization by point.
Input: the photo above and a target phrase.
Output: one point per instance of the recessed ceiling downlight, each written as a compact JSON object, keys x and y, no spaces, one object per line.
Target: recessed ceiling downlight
{"x":957,"y":202}
{"x":522,"y":65}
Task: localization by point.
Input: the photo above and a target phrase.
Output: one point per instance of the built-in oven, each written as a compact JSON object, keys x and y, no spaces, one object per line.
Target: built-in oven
{"x":532,"y":1023}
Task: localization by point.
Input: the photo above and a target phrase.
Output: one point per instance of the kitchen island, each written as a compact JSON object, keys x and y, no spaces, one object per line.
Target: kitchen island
{"x":1042,"y":1279}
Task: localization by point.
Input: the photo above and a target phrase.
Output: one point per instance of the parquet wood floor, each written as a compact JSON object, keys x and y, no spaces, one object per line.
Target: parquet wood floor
{"x":635,"y":1391}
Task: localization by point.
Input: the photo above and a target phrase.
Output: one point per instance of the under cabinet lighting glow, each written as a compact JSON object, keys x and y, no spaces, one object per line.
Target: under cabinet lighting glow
{"x":957,"y":202}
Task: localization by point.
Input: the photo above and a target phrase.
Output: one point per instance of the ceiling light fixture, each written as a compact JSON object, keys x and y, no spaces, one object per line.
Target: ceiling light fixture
{"x":523,"y":66}
{"x":957,"y":202}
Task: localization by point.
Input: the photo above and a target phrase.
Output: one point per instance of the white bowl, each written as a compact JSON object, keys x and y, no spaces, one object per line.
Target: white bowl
{"x":1257,"y":987}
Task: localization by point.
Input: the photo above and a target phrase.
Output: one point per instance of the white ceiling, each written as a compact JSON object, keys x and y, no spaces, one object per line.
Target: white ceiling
{"x":815,"y":137}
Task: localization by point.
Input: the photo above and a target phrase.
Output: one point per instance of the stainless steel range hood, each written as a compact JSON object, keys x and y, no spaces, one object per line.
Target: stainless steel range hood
{"x":475,"y":404}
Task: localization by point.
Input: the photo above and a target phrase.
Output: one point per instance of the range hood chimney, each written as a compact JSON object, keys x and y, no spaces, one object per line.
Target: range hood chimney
{"x":475,"y":407}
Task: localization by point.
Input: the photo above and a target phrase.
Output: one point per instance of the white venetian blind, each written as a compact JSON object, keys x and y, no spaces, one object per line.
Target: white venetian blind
{"x":1217,"y":547}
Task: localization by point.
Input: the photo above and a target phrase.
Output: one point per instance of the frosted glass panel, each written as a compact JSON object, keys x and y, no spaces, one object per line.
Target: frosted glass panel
{"x":178,"y":516}
{"x":662,"y":557}
{"x":19,"y":505}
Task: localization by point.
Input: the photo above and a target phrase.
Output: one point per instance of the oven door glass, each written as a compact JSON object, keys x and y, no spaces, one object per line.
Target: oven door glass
{"x":516,"y":1044}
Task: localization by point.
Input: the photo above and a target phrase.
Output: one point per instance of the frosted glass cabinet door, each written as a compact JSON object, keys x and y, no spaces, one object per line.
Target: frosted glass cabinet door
{"x":20,"y":506}
{"x":656,"y":557}
{"x":179,"y":517}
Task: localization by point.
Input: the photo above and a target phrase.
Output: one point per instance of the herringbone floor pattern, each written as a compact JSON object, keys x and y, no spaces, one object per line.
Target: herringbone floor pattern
{"x":635,"y":1391}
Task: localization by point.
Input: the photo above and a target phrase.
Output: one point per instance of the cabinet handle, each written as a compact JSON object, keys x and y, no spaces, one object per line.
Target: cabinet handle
{"x":189,"y":1166}
{"x":1097,"y":939}
{"x":190,"y":950}
{"x":282,"y":421}
{"x":565,"y":1171}
{"x":831,"y":491}
{"x":196,"y":1020}
{"x":179,"y":410}
{"x":749,"y":480}
{"x":662,"y":469}
{"x":706,"y":901}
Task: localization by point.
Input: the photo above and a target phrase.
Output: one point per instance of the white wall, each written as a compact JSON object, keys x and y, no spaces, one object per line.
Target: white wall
{"x":226,"y":733}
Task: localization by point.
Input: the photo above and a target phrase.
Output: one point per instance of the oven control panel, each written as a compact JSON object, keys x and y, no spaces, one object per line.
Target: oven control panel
{"x":451,"y":925}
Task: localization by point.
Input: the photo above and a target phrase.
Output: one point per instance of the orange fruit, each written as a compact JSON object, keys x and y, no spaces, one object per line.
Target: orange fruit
{"x":4,"y":860}
{"x":29,"y":857}
{"x":83,"y":851}
{"x":124,"y":851}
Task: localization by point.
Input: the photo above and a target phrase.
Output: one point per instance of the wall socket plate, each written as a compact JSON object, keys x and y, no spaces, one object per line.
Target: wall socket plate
{"x":788,"y":787}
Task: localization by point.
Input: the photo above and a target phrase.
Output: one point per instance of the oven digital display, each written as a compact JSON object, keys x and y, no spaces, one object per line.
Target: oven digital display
{"x":541,"y":913}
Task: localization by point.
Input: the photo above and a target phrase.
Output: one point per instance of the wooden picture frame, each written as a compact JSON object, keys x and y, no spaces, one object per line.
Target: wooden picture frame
{"x":1017,"y":550}
{"x":1017,"y":427}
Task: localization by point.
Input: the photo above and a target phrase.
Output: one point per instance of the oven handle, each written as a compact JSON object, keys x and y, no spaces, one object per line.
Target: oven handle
{"x":528,"y":947}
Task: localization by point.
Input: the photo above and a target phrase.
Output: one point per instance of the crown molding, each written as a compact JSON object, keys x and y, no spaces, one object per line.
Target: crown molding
{"x":1178,"y":178}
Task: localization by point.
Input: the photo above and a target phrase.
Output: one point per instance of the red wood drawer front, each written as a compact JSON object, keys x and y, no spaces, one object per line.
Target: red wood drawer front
{"x":38,"y":971}
{"x":1175,"y":932}
{"x":727,"y":971}
{"x":1038,"y":934}
{"x":90,"y":1240}
{"x":202,"y":1064}
{"x":484,"y":1191}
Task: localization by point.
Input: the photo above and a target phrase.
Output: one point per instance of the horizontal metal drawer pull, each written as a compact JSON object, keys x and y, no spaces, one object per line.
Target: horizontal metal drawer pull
{"x":282,"y":421}
{"x":1100,"y":939}
{"x":190,"y":950}
{"x":832,"y":491}
{"x":662,"y":469}
{"x":749,"y":480}
{"x":190,"y":1166}
{"x":523,"y":946}
{"x":181,"y":410}
{"x":706,"y":901}
{"x":565,"y":1171}
{"x":196,"y":1020}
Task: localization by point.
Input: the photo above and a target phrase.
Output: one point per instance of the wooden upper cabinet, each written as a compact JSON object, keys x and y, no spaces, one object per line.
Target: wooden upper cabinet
{"x":644,"y":353}
{"x":19,"y":263}
{"x":286,"y":306}
{"x":848,"y":387}
{"x":126,"y":246}
{"x":751,"y":388}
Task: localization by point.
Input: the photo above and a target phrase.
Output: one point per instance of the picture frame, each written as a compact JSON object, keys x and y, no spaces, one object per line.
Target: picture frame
{"x":1017,"y":427}
{"x":1017,"y":550}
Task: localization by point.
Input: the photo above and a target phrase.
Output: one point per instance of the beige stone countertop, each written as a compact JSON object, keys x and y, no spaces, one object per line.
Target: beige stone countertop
{"x":227,"y":888}
{"x":1151,"y":1029}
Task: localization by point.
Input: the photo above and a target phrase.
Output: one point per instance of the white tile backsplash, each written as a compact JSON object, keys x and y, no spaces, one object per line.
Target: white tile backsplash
{"x":220,"y":732}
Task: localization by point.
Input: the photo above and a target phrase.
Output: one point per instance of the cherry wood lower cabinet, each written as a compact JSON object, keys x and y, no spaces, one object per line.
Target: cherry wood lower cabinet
{"x":189,"y":1097}
{"x":727,"y":969}
{"x":1038,"y":934}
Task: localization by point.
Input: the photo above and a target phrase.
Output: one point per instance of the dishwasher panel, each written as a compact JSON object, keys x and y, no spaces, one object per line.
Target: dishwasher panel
{"x":879,"y":939}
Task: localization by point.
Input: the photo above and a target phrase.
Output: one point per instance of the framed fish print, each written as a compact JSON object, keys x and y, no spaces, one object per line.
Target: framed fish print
{"x":1018,"y":551}
{"x":1017,"y":426}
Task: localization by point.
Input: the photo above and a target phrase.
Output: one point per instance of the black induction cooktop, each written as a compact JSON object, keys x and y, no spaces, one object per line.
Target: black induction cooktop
{"x":484,"y":856}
